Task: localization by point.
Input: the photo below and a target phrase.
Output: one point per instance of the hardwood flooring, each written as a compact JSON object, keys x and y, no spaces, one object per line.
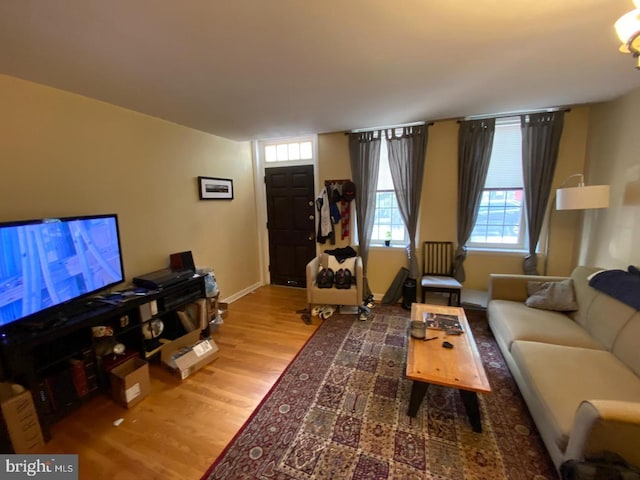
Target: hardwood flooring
{"x":182,"y":426}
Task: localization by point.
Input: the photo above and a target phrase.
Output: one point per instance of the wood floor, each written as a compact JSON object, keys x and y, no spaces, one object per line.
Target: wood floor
{"x":181,"y":427}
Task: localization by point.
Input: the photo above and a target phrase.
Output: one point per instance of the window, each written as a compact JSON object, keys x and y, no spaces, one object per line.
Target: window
{"x":387,"y":223}
{"x":501,"y":221}
{"x":288,"y":151}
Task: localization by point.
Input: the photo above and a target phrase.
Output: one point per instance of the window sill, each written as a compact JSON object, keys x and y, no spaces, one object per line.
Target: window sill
{"x":390,"y":247}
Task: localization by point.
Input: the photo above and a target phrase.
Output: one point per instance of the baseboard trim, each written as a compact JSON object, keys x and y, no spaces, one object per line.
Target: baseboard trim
{"x":241,"y":293}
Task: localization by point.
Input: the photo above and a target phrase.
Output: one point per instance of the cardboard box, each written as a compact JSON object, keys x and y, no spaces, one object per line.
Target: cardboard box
{"x":130,"y":382}
{"x":188,"y":354}
{"x":21,"y":418}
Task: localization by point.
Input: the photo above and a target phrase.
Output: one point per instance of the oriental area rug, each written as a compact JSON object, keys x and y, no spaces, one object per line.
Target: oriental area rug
{"x":339,"y":411}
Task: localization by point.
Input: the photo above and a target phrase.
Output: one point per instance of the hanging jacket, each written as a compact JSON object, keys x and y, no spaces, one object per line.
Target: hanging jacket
{"x":324,"y":209}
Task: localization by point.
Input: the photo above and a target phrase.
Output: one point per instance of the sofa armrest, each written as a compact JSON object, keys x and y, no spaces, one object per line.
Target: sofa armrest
{"x":504,"y":286}
{"x":312,"y":270}
{"x":610,"y":425}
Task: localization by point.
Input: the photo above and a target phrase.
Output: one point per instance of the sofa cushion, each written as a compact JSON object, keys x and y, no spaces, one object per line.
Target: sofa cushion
{"x":512,"y":321}
{"x":556,"y":296}
{"x":626,"y":346}
{"x":601,"y":315}
{"x":560,"y":377}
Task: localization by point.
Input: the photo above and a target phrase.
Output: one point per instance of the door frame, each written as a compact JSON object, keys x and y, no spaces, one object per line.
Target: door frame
{"x":261,"y":192}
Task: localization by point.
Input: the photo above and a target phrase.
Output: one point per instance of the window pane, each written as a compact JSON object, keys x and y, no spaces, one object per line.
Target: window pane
{"x":499,"y":218}
{"x":479,"y":234}
{"x":396,"y":217}
{"x":505,"y":166}
{"x":270,"y":153}
{"x":306,"y":151}
{"x":283,"y":152}
{"x":398,"y":233}
{"x":384,"y":173}
{"x":385,"y":199}
{"x":294,"y":151}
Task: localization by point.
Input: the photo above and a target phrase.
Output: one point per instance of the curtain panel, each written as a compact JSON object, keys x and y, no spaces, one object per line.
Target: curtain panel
{"x":407,"y":149}
{"x":541,"y":134}
{"x":475,"y":142}
{"x":364,"y":155}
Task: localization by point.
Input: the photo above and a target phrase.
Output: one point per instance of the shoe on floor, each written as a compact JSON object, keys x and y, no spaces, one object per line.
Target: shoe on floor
{"x":327,"y":311}
{"x":315,"y":311}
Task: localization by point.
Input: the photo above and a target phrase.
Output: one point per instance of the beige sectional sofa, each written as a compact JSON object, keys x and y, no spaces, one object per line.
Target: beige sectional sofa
{"x":578,"y":371}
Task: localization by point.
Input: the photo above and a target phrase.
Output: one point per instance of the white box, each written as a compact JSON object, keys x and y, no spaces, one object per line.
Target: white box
{"x":188,"y":354}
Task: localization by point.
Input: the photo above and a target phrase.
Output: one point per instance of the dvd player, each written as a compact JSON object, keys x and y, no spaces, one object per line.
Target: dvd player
{"x":162,"y":278}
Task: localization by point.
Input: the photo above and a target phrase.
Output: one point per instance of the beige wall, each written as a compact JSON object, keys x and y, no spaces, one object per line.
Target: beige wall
{"x":439,"y":200}
{"x":611,"y":237}
{"x":64,"y":154}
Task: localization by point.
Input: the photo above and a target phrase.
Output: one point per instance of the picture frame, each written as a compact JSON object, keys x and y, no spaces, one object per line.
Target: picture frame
{"x":212,"y":188}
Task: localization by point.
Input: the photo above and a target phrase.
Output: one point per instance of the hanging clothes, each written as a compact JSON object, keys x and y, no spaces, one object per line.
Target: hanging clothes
{"x":325,"y":226}
{"x":348,"y":194}
{"x":345,"y":212}
{"x":335,"y":196}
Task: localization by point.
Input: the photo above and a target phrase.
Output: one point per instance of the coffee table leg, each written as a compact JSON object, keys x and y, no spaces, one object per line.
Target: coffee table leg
{"x":470,"y":400}
{"x":418,"y":390}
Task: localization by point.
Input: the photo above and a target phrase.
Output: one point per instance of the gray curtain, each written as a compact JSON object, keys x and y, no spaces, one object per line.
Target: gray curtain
{"x":364,"y":154}
{"x":541,"y":134}
{"x":475,"y":142}
{"x":406,"y":161}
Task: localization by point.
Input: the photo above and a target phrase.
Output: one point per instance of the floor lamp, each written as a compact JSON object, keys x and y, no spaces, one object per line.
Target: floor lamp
{"x":581,"y":197}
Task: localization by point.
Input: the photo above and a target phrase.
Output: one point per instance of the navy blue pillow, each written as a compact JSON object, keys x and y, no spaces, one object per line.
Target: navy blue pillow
{"x":621,"y":285}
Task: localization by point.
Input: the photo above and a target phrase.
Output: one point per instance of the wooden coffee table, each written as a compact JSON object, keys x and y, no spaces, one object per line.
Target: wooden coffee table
{"x":459,"y":367}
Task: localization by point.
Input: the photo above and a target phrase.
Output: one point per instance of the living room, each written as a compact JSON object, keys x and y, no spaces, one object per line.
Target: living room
{"x":67,"y":154}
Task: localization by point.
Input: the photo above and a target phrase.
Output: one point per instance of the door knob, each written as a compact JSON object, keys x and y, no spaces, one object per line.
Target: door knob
{"x":311,"y":217}
{"x":310,"y":203}
{"x":310,"y":237}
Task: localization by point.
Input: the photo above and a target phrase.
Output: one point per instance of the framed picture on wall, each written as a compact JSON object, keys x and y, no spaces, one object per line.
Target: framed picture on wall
{"x":212,"y":188}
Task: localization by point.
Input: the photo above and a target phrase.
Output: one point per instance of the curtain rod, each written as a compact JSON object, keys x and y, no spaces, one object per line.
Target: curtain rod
{"x":375,"y":129}
{"x":513,"y":114}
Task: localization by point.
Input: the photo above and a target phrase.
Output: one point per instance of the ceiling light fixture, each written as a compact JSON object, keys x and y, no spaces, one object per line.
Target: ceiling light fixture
{"x":628,"y":31}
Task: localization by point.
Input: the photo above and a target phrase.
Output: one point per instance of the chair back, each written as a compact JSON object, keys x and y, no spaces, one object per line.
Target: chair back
{"x":438,"y":258}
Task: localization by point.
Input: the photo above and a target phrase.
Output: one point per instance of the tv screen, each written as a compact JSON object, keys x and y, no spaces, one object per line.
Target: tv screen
{"x":47,"y":263}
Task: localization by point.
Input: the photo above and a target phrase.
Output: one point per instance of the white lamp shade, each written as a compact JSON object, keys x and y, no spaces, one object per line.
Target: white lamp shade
{"x":579,"y":198}
{"x":627,"y":28}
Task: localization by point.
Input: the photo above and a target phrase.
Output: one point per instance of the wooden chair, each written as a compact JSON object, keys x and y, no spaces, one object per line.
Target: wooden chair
{"x":437,"y":271}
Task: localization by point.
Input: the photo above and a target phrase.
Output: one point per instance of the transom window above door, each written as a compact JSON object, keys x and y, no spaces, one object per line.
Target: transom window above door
{"x":288,"y":151}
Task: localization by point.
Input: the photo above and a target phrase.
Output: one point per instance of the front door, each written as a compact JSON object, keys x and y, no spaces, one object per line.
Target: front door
{"x":290,"y":222}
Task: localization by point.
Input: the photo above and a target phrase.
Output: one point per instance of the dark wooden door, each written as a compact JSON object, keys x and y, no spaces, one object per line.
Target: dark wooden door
{"x":291,"y":223}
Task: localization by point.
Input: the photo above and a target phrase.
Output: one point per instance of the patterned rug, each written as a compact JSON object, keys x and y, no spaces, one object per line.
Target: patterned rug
{"x":339,"y":412}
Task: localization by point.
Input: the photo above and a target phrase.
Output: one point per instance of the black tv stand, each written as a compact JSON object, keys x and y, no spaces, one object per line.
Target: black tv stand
{"x":43,"y":324}
{"x":42,"y":354}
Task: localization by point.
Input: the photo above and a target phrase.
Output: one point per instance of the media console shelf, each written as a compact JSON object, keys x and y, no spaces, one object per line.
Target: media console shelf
{"x":66,"y":361}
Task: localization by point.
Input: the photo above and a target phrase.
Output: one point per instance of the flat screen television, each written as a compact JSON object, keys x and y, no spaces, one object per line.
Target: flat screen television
{"x":48,"y":264}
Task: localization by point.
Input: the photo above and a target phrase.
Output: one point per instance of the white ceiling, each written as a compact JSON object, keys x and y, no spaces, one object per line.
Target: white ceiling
{"x":246,"y":69}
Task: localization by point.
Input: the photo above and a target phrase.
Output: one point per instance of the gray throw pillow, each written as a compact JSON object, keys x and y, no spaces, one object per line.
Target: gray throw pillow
{"x":558,"y":296}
